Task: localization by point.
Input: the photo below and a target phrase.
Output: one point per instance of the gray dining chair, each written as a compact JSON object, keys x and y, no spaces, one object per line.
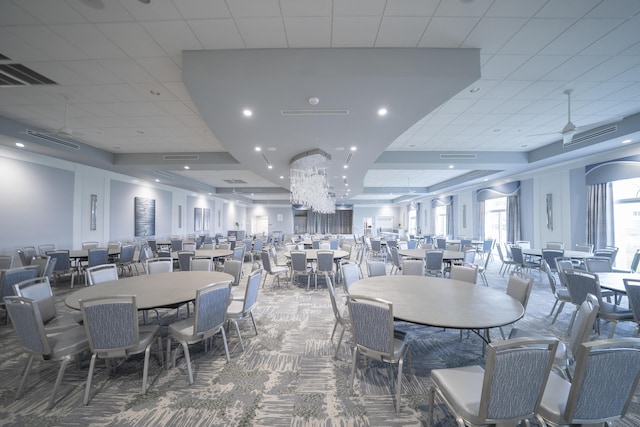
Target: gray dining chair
{"x":508,"y":390}
{"x":29,"y":327}
{"x":111,"y":324}
{"x":101,"y":273}
{"x":340,"y":314}
{"x":272,"y":270}
{"x":374,"y":336}
{"x":376,"y":268}
{"x":413,"y":267}
{"x":605,"y":379}
{"x":300,"y":266}
{"x":125,"y":260}
{"x":234,"y":268}
{"x":434,"y":264}
{"x":242,"y":307}
{"x":208,"y":320}
{"x":350,"y":274}
{"x":632,"y":288}
{"x":201,"y":263}
{"x":5,"y":262}
{"x":184,"y":259}
{"x":10,"y":277}
{"x":519,"y":287}
{"x":466,"y":272}
{"x":324,"y":266}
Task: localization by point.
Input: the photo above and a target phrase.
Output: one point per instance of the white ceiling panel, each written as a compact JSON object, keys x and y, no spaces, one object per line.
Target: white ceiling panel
{"x":260,"y":33}
{"x":92,"y":42}
{"x":50,"y":12}
{"x":358,"y":7}
{"x":401,"y":31}
{"x":535,"y":35}
{"x":537,"y":66}
{"x":162,"y":10}
{"x":12,"y":14}
{"x":45,"y":40}
{"x":161,"y":68}
{"x":19,"y":50}
{"x":574,"y":68}
{"x":580,"y":35}
{"x":217,"y":33}
{"x":113,"y":11}
{"x":173,"y":36}
{"x":93,"y":72}
{"x":484,"y":34}
{"x":514,"y":9}
{"x":410,"y":7}
{"x":501,"y":66}
{"x":203,"y":9}
{"x":618,"y":40}
{"x":306,"y":7}
{"x":610,"y":68}
{"x":132,"y":38}
{"x":567,"y":8}
{"x":615,"y":9}
{"x":127,"y":70}
{"x":354,"y":31}
{"x":59,"y":73}
{"x":254,"y":8}
{"x":447,"y":32}
{"x":463,"y":8}
{"x":308,"y":32}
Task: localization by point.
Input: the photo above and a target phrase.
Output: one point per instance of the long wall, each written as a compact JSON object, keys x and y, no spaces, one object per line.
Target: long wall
{"x":45,"y":200}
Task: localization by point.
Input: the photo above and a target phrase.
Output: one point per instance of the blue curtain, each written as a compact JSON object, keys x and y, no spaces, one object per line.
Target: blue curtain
{"x":600,"y":231}
{"x":513,"y":218}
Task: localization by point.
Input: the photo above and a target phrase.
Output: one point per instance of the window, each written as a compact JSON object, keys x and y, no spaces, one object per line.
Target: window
{"x":626,"y":219}
{"x":441,"y":220}
{"x":495,"y":219}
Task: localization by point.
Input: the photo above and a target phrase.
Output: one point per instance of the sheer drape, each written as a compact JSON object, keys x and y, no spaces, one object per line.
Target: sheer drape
{"x":513,"y":218}
{"x":340,"y":222}
{"x":600,"y":230}
{"x":481,"y":217}
{"x":449,"y":209}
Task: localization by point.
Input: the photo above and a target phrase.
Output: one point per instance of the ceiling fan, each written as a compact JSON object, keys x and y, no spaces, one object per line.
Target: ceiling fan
{"x":570,"y":129}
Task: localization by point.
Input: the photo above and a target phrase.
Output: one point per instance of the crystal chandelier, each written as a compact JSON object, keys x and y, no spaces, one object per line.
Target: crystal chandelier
{"x":309,"y":185}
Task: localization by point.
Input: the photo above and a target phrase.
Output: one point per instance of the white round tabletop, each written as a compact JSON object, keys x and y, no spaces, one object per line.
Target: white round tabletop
{"x":152,"y":290}
{"x":446,"y":303}
{"x":211,"y":253}
{"x":312,"y":254}
{"x":421,"y":254}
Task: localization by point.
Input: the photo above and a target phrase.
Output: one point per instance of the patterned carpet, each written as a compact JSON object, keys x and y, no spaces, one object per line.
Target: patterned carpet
{"x":286,"y":376}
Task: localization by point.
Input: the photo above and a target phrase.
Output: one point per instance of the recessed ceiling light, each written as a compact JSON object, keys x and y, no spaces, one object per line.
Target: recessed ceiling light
{"x":344,"y":176}
{"x":258,"y":149}
{"x":281,"y":177}
{"x":382,"y":112}
{"x":626,"y":141}
{"x":19,"y":144}
{"x":270,"y":166}
{"x":450,"y":166}
{"x":157,"y":180}
{"x":354,"y":148}
{"x":210,"y":194}
{"x":247,"y":113}
{"x":346,"y":166}
{"x":186,"y":167}
{"x":475,"y":89}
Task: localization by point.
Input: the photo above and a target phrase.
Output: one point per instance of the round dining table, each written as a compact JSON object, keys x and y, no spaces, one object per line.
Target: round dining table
{"x":447,"y":255}
{"x":312,"y":254}
{"x":151,"y":290}
{"x":210,"y":253}
{"x":445,"y":303}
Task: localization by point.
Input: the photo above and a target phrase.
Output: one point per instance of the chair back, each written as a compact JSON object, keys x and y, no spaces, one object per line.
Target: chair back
{"x":519,"y":287}
{"x":433,"y":259}
{"x":27,"y":323}
{"x":598,"y":265}
{"x":466,"y":272}
{"x":97,"y":256}
{"x":24,"y":259}
{"x":163,"y":253}
{"x":632,"y":286}
{"x":251,"y":291}
{"x":372,"y":325}
{"x":580,"y":284}
{"x":453,"y":247}
{"x":127,"y":252}
{"x":325,"y":261}
{"x":153,"y":245}
{"x":635,"y":261}
{"x":38,"y":290}
{"x":583,"y":323}
{"x":413,"y":267}
{"x":258,"y":245}
{"x":544,"y":267}
{"x":487,"y":245}
{"x":90,"y":245}
{"x":176,"y":245}
{"x":111,"y":324}
{"x":43,"y":249}
{"x":524,"y":244}
{"x":584,"y":247}
{"x":211,"y":308}
{"x":516,"y":254}
{"x":225,"y":246}
{"x":201,"y":264}
{"x":376,"y":245}
{"x":184,"y":259}
{"x":238,"y":253}
{"x":609,"y":252}
{"x":41,"y":262}
{"x":604,"y":381}
{"x":337,"y":303}
{"x":315,"y":244}
{"x":469,"y":255}
{"x":189,"y":246}
{"x":376,"y":268}
{"x":159,"y":265}
{"x":116,"y":246}
{"x":63,"y":262}
{"x":233,"y":268}
{"x":500,"y":254}
{"x":334,"y":244}
{"x":550,"y":255}
{"x":563,"y":264}
{"x":299,"y":261}
{"x":515,"y":376}
{"x":555,"y":245}
{"x":412,"y":244}
{"x":102,"y":273}
{"x":10,"y":277}
{"x":395,"y":258}
{"x":350,"y":274}
{"x":441,"y":243}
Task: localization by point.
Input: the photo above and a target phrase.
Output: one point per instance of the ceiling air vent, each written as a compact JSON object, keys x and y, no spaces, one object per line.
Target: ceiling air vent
{"x":234,"y":181}
{"x":587,"y":136}
{"x":315,"y":112}
{"x":458,"y":156}
{"x":12,"y":74}
{"x":164,"y":174}
{"x":180,"y":157}
{"x":52,"y":139}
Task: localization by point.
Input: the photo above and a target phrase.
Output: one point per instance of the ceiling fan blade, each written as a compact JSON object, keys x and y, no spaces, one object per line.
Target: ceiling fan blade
{"x":543,"y":134}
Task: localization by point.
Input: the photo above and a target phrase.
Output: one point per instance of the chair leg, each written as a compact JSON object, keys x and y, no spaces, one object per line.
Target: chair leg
{"x":185,"y":348}
{"x":235,"y":323}
{"x":560,"y":307}
{"x":353,"y":367}
{"x":432,"y":392}
{"x":335,"y":356}
{"x":145,"y":369}
{"x":87,"y":389}
{"x":399,"y":385}
{"x":63,"y":367}
{"x":226,"y":347}
{"x":253,"y":320}
{"x":27,"y":369}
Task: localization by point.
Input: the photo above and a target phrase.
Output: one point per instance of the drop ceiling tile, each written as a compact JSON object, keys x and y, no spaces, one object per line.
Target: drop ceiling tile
{"x":127,"y":70}
{"x":401,"y":31}
{"x":615,"y":9}
{"x":610,"y":68}
{"x":410,"y":7}
{"x":45,"y":40}
{"x":132,"y":38}
{"x":514,"y":9}
{"x":580,"y":35}
{"x":484,"y":34}
{"x":501,"y":66}
{"x":203,"y":9}
{"x":93,"y":72}
{"x":628,"y":93}
{"x":308,"y":32}
{"x":18,"y":49}
{"x":447,"y":31}
{"x":254,"y":8}
{"x":217,"y":33}
{"x":113,"y":11}
{"x":574,"y":68}
{"x":162,"y":69}
{"x":58,"y":72}
{"x":262,"y":32}
{"x":123,"y":93}
{"x":618,"y":40}
{"x":541,"y":89}
{"x":159,"y":10}
{"x":456,"y":106}
{"x":463,"y":8}
{"x":306,"y":8}
{"x":539,"y":65}
{"x":153,"y":92}
{"x":598,"y":92}
{"x":178,"y":89}
{"x":173,"y":36}
{"x":358,"y":7}
{"x":50,"y":12}
{"x":535,"y":35}
{"x":92,"y":42}
{"x":12,"y":14}
{"x":354,"y":31}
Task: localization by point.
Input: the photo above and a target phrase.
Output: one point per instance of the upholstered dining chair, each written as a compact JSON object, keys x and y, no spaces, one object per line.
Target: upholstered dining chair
{"x":242,"y":308}
{"x":374,"y":335}
{"x":208,"y":320}
{"x":350,"y":274}
{"x":605,"y":379}
{"x":39,"y":291}
{"x":96,"y":256}
{"x":29,"y":327}
{"x":549,"y":255}
{"x":184,"y":259}
{"x":433,"y":260}
{"x":508,"y":390}
{"x":233,"y":268}
{"x":376,"y":268}
{"x":63,"y":264}
{"x":519,"y":287}
{"x":201,"y":263}
{"x":6,"y":261}
{"x":341,"y":315}
{"x":413,"y":267}
{"x":632,"y":286}
{"x":561,"y":294}
{"x":396,"y":266}
{"x":467,"y":272}
{"x":10,"y":277}
{"x":125,"y":260}
{"x":598,"y":265}
{"x":300,"y":267}
{"x":159,"y":265}
{"x":274,"y":271}
{"x":111,"y":324}
{"x":324,"y":266}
